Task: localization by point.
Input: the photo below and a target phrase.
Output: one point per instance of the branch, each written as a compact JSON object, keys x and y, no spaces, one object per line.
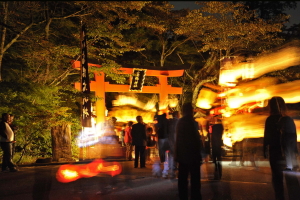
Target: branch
{"x":72,"y":15}
{"x":172,"y":49}
{"x":19,"y":34}
{"x":61,"y":77}
{"x":180,"y":58}
{"x":188,"y":75}
{"x":147,"y":58}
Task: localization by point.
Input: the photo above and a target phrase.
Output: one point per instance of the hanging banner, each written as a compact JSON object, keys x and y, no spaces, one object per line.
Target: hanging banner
{"x":137,"y":81}
{"x":86,"y":114}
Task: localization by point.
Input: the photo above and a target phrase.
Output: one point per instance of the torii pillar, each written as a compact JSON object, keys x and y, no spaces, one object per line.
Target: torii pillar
{"x":100,"y":86}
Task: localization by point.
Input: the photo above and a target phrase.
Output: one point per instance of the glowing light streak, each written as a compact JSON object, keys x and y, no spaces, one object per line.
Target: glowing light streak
{"x":256,"y":93}
{"x":123,"y":100}
{"x":282,"y":59}
{"x":68,"y":173}
{"x":206,"y":98}
{"x":288,"y":91}
{"x":248,"y":126}
{"x":173,"y":102}
{"x":126,"y":114}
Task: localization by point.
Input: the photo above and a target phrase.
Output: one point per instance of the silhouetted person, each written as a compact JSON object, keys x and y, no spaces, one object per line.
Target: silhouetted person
{"x":128,"y":141}
{"x":139,"y":140}
{"x":217,"y":143}
{"x":204,"y":123}
{"x":163,"y":142}
{"x":188,"y":154}
{"x":279,"y":144}
{"x":172,"y":139}
{"x":150,"y":143}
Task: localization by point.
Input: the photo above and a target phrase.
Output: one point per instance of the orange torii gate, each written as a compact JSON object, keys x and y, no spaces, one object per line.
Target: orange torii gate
{"x":99,"y":86}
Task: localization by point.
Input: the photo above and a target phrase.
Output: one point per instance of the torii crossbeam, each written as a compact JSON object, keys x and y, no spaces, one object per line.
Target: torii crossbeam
{"x":99,"y":86}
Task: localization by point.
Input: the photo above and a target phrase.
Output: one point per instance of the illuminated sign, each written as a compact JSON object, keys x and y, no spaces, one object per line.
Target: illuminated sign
{"x":137,"y":81}
{"x":85,"y":83}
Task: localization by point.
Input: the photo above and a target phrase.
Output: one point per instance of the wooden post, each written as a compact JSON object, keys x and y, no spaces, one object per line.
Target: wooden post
{"x":163,"y":93}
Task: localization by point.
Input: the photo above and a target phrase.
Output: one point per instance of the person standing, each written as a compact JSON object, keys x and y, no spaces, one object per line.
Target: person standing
{"x":6,"y":140}
{"x":217,"y":143}
{"x":172,"y":140}
{"x":139,"y":140}
{"x":163,"y":143}
{"x":150,"y":143}
{"x":14,"y":129}
{"x":188,"y":148}
{"x":205,"y":136}
{"x":122,"y":134}
{"x":280,"y":140}
{"x":128,"y":141}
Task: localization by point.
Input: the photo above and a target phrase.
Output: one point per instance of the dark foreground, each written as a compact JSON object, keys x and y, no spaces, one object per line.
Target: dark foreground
{"x":237,"y":183}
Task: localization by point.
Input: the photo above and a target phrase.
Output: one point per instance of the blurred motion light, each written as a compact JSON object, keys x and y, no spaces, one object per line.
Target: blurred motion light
{"x":248,"y":71}
{"x":206,"y":98}
{"x":173,"y":102}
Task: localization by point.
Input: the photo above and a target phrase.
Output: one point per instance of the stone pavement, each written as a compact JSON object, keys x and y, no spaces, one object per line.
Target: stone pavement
{"x":238,"y":183}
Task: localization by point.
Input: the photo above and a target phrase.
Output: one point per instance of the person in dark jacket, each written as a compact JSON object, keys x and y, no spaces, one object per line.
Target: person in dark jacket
{"x":172,"y":139}
{"x":139,"y":140}
{"x":217,"y":143}
{"x":280,"y":141}
{"x":6,"y":140}
{"x":163,"y":142}
{"x":188,"y":148}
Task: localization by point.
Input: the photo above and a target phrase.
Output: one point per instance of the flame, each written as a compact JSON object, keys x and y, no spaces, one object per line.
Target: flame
{"x":68,"y":173}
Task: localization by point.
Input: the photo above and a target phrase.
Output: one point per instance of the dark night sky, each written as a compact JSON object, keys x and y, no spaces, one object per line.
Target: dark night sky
{"x":294,"y":19}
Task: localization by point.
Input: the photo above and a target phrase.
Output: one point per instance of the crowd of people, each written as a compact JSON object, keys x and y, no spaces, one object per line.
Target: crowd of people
{"x":183,"y":142}
{"x":175,"y":145}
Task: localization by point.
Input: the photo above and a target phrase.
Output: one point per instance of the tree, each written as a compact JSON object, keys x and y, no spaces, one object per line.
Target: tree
{"x":106,"y":23}
{"x":154,"y":34}
{"x":20,"y":17}
{"x":38,"y":42}
{"x":225,"y":29}
{"x":36,"y":109}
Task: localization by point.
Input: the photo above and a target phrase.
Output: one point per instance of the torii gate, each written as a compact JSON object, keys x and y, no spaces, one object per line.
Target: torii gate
{"x":99,"y":86}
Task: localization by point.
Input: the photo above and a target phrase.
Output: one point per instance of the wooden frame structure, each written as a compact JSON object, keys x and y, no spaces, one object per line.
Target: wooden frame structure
{"x":99,"y":86}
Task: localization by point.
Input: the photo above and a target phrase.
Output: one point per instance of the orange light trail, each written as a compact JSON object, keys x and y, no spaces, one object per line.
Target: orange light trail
{"x":68,"y":173}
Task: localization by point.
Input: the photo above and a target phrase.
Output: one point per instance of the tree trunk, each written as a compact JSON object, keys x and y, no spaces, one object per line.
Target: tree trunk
{"x":209,"y":70}
{"x":3,"y":35}
{"x":61,"y":143}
